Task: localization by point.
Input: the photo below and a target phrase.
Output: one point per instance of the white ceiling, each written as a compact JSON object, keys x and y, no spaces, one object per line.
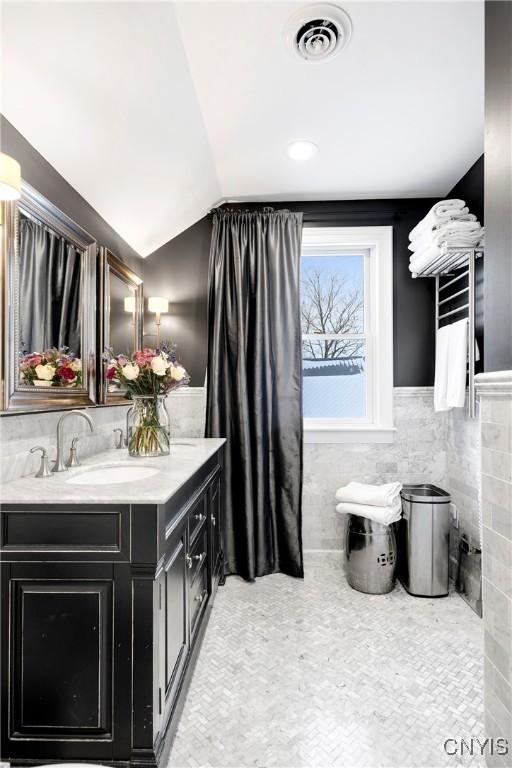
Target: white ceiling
{"x":156,"y":111}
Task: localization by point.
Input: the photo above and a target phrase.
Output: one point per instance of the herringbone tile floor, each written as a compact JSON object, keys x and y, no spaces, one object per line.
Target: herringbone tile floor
{"x":311,"y":674}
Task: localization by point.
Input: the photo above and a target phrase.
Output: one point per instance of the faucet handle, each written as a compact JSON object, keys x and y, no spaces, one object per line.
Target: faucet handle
{"x":73,"y":454}
{"x":118,"y":432}
{"x":44,"y":467}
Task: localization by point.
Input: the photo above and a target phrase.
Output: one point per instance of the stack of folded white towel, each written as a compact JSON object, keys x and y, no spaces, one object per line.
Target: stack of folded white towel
{"x":448,"y":223}
{"x":380,"y":503}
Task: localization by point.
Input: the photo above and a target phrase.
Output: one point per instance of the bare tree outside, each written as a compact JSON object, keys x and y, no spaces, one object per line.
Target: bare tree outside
{"x":330,"y":304}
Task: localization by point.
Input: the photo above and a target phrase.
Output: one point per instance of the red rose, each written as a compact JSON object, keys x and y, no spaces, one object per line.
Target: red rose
{"x":111,"y":372}
{"x":65,"y":373}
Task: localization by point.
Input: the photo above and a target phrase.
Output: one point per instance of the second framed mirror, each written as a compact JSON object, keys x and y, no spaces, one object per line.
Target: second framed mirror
{"x":121,"y":326}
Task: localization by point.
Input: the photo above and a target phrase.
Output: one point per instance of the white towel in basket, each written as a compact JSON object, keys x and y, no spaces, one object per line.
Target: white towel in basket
{"x":382,"y":515}
{"x":373,"y":495}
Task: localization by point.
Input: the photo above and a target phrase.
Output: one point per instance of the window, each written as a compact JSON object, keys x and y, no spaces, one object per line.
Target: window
{"x":347,"y":333}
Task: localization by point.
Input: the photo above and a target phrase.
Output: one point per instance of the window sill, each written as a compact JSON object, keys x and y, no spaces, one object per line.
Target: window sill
{"x":353,"y":434}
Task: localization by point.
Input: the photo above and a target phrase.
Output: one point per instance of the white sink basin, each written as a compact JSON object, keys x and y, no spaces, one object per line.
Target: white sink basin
{"x":116,"y":473}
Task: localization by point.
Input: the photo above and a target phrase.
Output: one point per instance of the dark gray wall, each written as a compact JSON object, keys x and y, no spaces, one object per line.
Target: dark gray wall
{"x":179,"y":270}
{"x":43,"y":177}
{"x":471,"y":189}
{"x":498,"y":186}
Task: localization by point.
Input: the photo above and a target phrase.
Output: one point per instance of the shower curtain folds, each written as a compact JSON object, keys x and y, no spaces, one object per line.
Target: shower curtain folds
{"x":254,"y":384}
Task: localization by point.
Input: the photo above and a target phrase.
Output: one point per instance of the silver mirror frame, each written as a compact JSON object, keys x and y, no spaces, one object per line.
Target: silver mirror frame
{"x":15,"y":396}
{"x":110,"y":263}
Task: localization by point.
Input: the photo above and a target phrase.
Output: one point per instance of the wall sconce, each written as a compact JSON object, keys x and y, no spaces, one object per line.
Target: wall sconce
{"x":129,"y":304}
{"x":159,"y":306}
{"x":10,"y":178}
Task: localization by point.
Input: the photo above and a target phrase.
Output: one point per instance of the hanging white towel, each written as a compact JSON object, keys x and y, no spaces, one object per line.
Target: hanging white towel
{"x":451,"y":358}
{"x":375,"y":495}
{"x":383,"y":515}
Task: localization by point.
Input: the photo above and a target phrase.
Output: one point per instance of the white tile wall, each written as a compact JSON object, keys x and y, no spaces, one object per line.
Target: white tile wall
{"x":496,"y":425}
{"x":18,"y":433}
{"x":428,"y":447}
{"x":417,"y":455}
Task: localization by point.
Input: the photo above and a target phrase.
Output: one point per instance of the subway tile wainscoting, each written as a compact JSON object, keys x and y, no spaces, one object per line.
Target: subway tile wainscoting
{"x":463,"y":459}
{"x":20,"y":432}
{"x":440,"y":448}
{"x":495,"y":392}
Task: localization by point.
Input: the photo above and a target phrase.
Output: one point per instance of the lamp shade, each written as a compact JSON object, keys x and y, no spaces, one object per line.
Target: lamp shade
{"x":158,"y":304}
{"x":129,"y":304}
{"x":10,"y":178}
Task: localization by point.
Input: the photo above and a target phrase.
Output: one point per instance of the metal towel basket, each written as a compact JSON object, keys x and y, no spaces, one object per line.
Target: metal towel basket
{"x":370,"y":555}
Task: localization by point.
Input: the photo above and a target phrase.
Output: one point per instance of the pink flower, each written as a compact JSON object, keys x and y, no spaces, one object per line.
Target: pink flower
{"x":32,"y":360}
{"x":111,"y":373}
{"x":143,"y":356}
{"x":122,"y":360}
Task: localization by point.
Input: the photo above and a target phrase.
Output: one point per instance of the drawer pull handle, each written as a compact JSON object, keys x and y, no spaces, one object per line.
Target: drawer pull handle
{"x":200,"y":517}
{"x":199,"y":598}
{"x":198,"y":558}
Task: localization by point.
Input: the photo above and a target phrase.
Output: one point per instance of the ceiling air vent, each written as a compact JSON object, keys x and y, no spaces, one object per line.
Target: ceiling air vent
{"x":318,"y":32}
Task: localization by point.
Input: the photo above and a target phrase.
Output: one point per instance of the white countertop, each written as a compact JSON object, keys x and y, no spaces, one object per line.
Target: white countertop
{"x":186,"y":457}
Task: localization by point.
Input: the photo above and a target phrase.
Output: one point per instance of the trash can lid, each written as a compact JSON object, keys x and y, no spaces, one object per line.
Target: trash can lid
{"x":425,"y":493}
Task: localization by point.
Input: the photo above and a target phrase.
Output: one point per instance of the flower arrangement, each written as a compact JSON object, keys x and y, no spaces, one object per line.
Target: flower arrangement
{"x":148,"y":372}
{"x":51,"y":368}
{"x":147,"y":376}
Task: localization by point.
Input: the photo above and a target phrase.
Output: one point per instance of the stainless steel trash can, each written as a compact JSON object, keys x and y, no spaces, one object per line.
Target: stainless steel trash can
{"x":423,"y":540}
{"x":370,"y":555}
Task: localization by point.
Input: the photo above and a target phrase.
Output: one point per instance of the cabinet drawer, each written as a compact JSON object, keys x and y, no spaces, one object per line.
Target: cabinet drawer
{"x":198,"y":597}
{"x":198,"y":555}
{"x":62,"y":530}
{"x":196,"y":520}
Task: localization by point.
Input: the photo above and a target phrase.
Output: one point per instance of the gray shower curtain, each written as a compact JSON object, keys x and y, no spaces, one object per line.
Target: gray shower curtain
{"x":49,"y":270}
{"x":255,"y":387}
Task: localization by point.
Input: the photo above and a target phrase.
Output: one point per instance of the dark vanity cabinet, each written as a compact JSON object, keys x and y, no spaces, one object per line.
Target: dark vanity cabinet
{"x":103,"y":610}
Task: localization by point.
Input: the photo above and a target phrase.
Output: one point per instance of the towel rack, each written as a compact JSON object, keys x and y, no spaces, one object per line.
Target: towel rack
{"x":451,"y":260}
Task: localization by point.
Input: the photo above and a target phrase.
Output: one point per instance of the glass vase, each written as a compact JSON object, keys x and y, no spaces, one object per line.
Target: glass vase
{"x":148,"y":426}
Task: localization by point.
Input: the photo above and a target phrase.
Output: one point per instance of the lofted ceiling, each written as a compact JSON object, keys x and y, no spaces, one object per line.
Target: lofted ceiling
{"x":156,"y":111}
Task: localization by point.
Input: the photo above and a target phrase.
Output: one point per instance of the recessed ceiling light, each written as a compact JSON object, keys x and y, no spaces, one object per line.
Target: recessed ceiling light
{"x":302,"y":150}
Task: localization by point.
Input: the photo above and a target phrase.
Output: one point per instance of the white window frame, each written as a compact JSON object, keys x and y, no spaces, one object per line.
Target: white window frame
{"x":377,"y":245}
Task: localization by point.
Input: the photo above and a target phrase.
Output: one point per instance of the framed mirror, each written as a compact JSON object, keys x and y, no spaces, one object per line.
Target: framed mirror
{"x":121,"y":327}
{"x":49,"y":270}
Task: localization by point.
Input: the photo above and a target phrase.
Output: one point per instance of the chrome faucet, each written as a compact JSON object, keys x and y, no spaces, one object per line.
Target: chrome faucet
{"x":60,"y":465}
{"x":127,"y":436}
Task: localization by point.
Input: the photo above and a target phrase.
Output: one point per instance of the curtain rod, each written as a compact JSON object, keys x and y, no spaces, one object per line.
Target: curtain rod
{"x":316,"y":216}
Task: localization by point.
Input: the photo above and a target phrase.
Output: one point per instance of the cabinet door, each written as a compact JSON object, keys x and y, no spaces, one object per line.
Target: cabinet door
{"x":215,"y":527}
{"x":174,"y":620}
{"x":60,"y":660}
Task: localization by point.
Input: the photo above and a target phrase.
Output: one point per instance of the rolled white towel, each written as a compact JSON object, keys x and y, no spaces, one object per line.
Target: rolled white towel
{"x":421,"y":259}
{"x":374,"y":495}
{"x":465,"y":222}
{"x":383,"y":515}
{"x":424,"y":259}
{"x":441,"y":210}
